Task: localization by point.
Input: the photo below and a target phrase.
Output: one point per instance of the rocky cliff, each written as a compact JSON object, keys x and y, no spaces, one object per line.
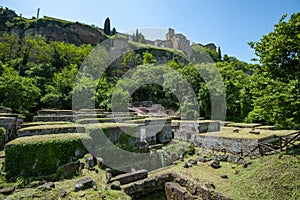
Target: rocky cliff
{"x":51,"y":28}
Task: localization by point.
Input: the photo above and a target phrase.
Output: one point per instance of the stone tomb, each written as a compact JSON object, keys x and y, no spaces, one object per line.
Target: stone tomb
{"x":186,"y":130}
{"x":11,"y":122}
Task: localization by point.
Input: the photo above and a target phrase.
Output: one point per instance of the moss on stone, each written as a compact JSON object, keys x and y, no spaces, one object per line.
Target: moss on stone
{"x":42,"y":155}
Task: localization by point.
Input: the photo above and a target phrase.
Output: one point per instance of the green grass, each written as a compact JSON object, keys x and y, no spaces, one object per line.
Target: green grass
{"x":243,"y":133}
{"x":269,"y":178}
{"x":50,"y":126}
{"x":149,"y":119}
{"x":266,"y":178}
{"x":109,"y":125}
{"x":68,"y":186}
{"x":243,"y":125}
{"x":45,"y":123}
{"x":47,"y":138}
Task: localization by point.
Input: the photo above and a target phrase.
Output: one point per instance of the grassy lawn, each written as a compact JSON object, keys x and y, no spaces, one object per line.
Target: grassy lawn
{"x":244,"y":133}
{"x":266,"y":178}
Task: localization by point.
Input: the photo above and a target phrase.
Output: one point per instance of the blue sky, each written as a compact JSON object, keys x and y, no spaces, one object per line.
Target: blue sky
{"x":230,"y":24}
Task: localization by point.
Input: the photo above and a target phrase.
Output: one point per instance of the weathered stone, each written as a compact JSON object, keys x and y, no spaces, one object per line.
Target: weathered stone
{"x":193,"y":162}
{"x":181,"y":157}
{"x":234,"y":159}
{"x":62,"y":193}
{"x":7,"y":190}
{"x":173,"y":191}
{"x":215,"y":164}
{"x":91,"y":162}
{"x":221,"y":157}
{"x":46,"y":186}
{"x":131,"y":177}
{"x":69,"y":170}
{"x":116,"y":185}
{"x":245,"y":164}
{"x":108,"y":175}
{"x":185,"y":165}
{"x":95,"y":187}
{"x":84,"y":183}
{"x":182,"y":181}
{"x":254,"y":132}
{"x":210,"y":185}
{"x":203,"y":159}
{"x":147,"y":186}
{"x":100,"y":163}
{"x":78,"y":187}
{"x":173,"y":156}
{"x":224,"y":176}
{"x":235,"y":130}
{"x":82,"y":195}
{"x":192,"y":187}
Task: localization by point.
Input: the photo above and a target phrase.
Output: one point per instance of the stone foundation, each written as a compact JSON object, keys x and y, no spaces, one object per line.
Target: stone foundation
{"x":186,"y":130}
{"x":232,"y":145}
{"x":175,"y":187}
{"x":131,"y":177}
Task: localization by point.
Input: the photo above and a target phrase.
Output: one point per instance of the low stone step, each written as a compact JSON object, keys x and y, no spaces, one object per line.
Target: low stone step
{"x":53,"y":118}
{"x":50,"y":129}
{"x":131,"y":177}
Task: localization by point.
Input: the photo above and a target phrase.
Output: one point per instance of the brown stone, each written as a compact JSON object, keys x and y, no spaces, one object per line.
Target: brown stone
{"x":7,"y":190}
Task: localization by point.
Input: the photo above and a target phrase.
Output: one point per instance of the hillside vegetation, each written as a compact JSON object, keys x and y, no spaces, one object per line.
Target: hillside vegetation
{"x":39,"y":72}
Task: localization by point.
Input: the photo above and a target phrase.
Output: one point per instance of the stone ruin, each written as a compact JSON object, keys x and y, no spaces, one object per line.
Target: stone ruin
{"x":147,"y":134}
{"x":11,"y":122}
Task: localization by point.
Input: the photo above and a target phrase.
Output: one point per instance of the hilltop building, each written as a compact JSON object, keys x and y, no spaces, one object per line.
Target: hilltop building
{"x":175,"y":41}
{"x":180,"y":42}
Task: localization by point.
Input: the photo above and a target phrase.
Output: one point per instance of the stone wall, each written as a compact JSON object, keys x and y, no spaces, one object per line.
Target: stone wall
{"x":130,"y":177}
{"x":233,"y":145}
{"x":175,"y":187}
{"x":50,"y":129}
{"x":187,"y":130}
{"x":11,"y":122}
{"x":157,"y":130}
{"x":147,"y":186}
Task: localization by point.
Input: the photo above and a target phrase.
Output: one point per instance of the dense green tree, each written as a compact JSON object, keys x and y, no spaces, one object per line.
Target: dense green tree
{"x":275,"y":81}
{"x":237,"y":85}
{"x":103,"y":94}
{"x":279,"y":51}
{"x":148,"y":58}
{"x":107,"y":26}
{"x":58,"y":93}
{"x":9,"y":47}
{"x":130,"y":60}
{"x":17,"y":92}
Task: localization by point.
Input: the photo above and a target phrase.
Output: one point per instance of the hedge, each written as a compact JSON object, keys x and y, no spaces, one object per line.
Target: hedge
{"x":41,"y":155}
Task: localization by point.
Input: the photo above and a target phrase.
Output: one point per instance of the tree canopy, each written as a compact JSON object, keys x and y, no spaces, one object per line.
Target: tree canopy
{"x":36,"y":73}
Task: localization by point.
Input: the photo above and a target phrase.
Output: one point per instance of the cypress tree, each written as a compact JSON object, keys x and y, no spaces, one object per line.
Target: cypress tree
{"x":114,"y":31}
{"x":219,"y":53}
{"x":107,"y":26}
